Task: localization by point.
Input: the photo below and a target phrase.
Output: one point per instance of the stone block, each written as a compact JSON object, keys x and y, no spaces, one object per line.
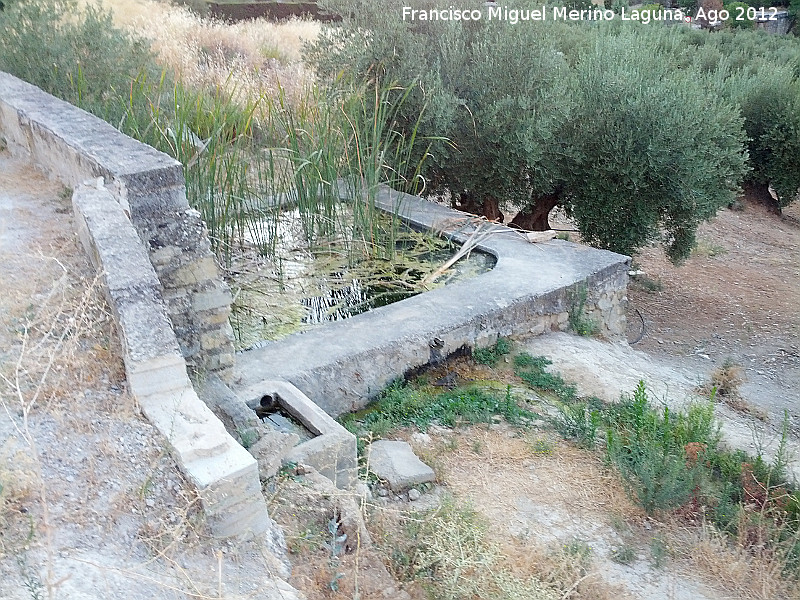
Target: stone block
{"x":218,"y":297}
{"x":213,"y":340}
{"x":198,"y":271}
{"x":396,"y":463}
{"x":217,"y":316}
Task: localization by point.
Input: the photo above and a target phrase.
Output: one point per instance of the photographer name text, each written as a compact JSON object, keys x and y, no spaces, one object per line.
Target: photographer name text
{"x":563,"y":13}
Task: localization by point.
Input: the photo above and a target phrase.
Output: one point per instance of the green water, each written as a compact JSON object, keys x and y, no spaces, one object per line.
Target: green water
{"x":303,"y":288}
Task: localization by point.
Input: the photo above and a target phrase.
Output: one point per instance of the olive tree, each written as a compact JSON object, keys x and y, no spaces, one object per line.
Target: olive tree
{"x":652,"y":153}
{"x":492,"y":96}
{"x":634,"y":150}
{"x":770,"y":103}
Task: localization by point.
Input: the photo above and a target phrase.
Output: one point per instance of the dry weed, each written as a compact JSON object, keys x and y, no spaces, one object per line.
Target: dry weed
{"x":18,"y":484}
{"x":247,"y":59}
{"x":49,"y":337}
{"x":724,"y":385}
{"x":565,"y":567}
{"x":726,"y":379}
{"x":731,"y":567}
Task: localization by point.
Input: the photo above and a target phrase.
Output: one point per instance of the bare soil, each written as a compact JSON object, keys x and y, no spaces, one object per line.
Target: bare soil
{"x":737,"y":299}
{"x":91,"y":504}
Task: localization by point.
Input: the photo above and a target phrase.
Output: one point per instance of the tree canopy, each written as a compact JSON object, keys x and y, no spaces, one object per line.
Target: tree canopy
{"x":640,"y":132}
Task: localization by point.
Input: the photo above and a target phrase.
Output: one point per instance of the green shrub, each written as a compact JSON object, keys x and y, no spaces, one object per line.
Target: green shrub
{"x":76,"y":55}
{"x":648,"y":448}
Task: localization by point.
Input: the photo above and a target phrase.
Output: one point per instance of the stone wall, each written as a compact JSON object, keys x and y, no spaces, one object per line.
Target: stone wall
{"x":74,"y":146}
{"x":160,"y":279}
{"x":776,"y":24}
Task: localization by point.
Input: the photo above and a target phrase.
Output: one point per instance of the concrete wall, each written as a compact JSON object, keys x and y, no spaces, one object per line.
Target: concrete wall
{"x":74,"y":146}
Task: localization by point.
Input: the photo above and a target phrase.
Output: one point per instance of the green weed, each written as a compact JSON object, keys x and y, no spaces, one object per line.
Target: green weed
{"x":647,"y":284}
{"x":648,"y":448}
{"x":403,"y":405}
{"x":531,"y":369}
{"x":624,"y":555}
{"x":491,"y":355}
{"x":578,"y":420}
{"x":542,"y":447}
{"x":659,"y":550}
{"x":579,"y":321}
{"x":247,"y":437}
{"x":708,"y":249}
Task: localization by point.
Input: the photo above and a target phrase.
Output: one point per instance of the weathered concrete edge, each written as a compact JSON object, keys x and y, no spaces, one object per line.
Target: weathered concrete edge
{"x":224,"y":473}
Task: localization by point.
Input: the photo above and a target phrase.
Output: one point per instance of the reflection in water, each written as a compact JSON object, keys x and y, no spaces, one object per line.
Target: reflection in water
{"x":336,"y":304}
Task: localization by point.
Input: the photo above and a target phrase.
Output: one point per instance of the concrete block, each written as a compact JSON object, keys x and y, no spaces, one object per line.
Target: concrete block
{"x":335,"y":457}
{"x":235,"y":414}
{"x":271,"y":449}
{"x":75,"y":146}
{"x":224,"y":474}
{"x":191,"y":428}
{"x":332,"y":452}
{"x":396,"y":463}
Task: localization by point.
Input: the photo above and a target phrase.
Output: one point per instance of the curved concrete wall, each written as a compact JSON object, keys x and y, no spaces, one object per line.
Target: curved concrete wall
{"x":533,"y":287}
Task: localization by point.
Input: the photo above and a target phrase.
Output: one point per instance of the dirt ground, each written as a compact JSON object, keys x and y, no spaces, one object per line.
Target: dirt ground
{"x":737,"y":298}
{"x":91,"y":504}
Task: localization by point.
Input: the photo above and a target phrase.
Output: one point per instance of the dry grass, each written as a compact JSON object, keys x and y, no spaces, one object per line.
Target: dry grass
{"x":727,"y":379}
{"x":564,"y":476}
{"x":247,"y":59}
{"x":305,"y":506}
{"x":749,"y":576}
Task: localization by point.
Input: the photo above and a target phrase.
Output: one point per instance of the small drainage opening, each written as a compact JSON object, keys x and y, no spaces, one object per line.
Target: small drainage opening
{"x":272,"y":413}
